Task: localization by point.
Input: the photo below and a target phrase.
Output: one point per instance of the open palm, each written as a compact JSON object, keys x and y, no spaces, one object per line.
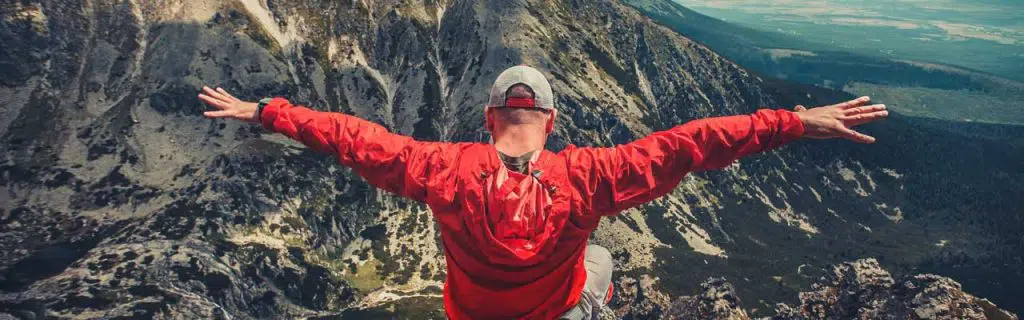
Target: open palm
{"x":836,"y":121}
{"x":228,"y":106}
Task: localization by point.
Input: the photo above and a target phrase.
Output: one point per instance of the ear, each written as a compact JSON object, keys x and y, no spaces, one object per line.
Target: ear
{"x":551,"y":122}
{"x":488,"y":119}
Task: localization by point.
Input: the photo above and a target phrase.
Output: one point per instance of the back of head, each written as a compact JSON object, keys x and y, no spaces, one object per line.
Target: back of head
{"x":534,"y":81}
{"x":521,"y":95}
{"x":516,"y":116}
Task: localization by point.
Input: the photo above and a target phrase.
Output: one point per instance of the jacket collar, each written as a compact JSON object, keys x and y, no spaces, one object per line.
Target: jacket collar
{"x":491,"y":162}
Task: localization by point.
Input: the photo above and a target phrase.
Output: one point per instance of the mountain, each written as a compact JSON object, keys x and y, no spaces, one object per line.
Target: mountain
{"x":912,"y":86}
{"x":120,"y":200}
{"x":979,"y":35}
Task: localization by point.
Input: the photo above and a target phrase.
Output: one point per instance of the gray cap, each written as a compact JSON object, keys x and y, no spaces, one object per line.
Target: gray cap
{"x":532,"y":78}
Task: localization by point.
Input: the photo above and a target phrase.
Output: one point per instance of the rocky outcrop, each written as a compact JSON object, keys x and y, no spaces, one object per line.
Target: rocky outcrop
{"x":864,"y":290}
{"x":718,"y":300}
{"x":638,"y":299}
{"x":860,"y":289}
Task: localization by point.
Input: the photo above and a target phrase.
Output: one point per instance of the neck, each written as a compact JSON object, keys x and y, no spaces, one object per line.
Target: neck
{"x":518,"y":140}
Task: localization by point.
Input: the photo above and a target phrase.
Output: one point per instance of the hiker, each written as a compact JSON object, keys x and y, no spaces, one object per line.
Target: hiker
{"x":514,"y":217}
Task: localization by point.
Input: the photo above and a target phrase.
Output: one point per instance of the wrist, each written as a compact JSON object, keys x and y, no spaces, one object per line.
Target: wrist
{"x":797,"y":126}
{"x":801,"y":116}
{"x":259,"y":108}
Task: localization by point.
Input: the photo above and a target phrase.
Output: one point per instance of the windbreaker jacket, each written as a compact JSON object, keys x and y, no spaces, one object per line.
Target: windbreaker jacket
{"x":540,"y":275}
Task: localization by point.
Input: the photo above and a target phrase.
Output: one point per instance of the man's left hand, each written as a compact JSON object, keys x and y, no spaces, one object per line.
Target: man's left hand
{"x":836,"y":121}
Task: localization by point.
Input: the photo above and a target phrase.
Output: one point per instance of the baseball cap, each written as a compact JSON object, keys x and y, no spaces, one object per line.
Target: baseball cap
{"x":532,"y":79}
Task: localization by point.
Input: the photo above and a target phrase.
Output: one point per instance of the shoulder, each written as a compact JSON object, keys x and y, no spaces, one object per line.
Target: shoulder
{"x":558,"y":163}
{"x":568,"y":151}
{"x":473,"y":156}
{"x":574,"y":155}
{"x":449,"y":149}
{"x":466,"y":149}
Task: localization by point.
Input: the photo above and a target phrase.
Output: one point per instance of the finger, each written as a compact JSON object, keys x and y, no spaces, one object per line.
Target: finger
{"x":218,"y":114}
{"x":213,"y":93}
{"x":213,"y":101}
{"x":856,"y":136}
{"x":853,"y":103}
{"x":865,"y":109}
{"x":859,"y":119}
{"x":799,"y":108}
{"x":228,"y":95}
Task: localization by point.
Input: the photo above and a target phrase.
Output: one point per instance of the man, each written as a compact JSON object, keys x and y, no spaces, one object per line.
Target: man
{"x":514,"y":217}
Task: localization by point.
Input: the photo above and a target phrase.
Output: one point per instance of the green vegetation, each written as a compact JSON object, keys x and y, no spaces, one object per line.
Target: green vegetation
{"x":984,"y":36}
{"x":366,"y":278}
{"x":928,"y":102}
{"x":951,"y":93}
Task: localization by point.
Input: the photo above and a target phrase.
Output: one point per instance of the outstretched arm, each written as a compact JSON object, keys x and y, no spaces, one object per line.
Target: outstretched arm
{"x":388,"y":161}
{"x":610,"y":180}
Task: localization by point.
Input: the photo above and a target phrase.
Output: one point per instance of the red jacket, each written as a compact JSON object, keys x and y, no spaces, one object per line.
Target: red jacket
{"x":491,"y":275}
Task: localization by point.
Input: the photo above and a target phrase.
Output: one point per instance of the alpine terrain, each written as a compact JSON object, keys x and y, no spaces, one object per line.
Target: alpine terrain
{"x":119,"y":200}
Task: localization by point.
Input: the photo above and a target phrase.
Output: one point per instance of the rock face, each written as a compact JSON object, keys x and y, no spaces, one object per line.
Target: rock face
{"x":117,"y":199}
{"x":853,"y":290}
{"x":863,"y":290}
{"x":717,"y":301}
{"x":638,"y":299}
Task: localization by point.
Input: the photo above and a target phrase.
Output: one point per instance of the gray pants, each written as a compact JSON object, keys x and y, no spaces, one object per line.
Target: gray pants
{"x":599,"y":266}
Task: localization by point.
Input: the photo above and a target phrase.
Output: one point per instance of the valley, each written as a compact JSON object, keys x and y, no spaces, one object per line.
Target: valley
{"x":838,"y":55}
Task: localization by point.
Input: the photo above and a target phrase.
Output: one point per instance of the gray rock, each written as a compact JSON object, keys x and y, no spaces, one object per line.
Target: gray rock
{"x":864,"y":290}
{"x":860,"y":289}
{"x":118,"y":199}
{"x":717,"y":301}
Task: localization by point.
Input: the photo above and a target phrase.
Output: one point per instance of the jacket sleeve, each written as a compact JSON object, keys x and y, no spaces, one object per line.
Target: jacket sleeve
{"x":609,"y":180}
{"x":386,"y":160}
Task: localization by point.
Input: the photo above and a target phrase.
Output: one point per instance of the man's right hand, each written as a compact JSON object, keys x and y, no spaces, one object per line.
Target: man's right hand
{"x":228,"y":106}
{"x":835,"y":121}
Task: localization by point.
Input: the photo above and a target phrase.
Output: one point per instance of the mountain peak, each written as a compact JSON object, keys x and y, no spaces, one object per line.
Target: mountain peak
{"x":120,"y":199}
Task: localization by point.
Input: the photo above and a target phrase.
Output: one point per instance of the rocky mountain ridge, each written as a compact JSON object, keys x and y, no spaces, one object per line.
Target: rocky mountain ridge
{"x":853,"y":290}
{"x":120,"y":200}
